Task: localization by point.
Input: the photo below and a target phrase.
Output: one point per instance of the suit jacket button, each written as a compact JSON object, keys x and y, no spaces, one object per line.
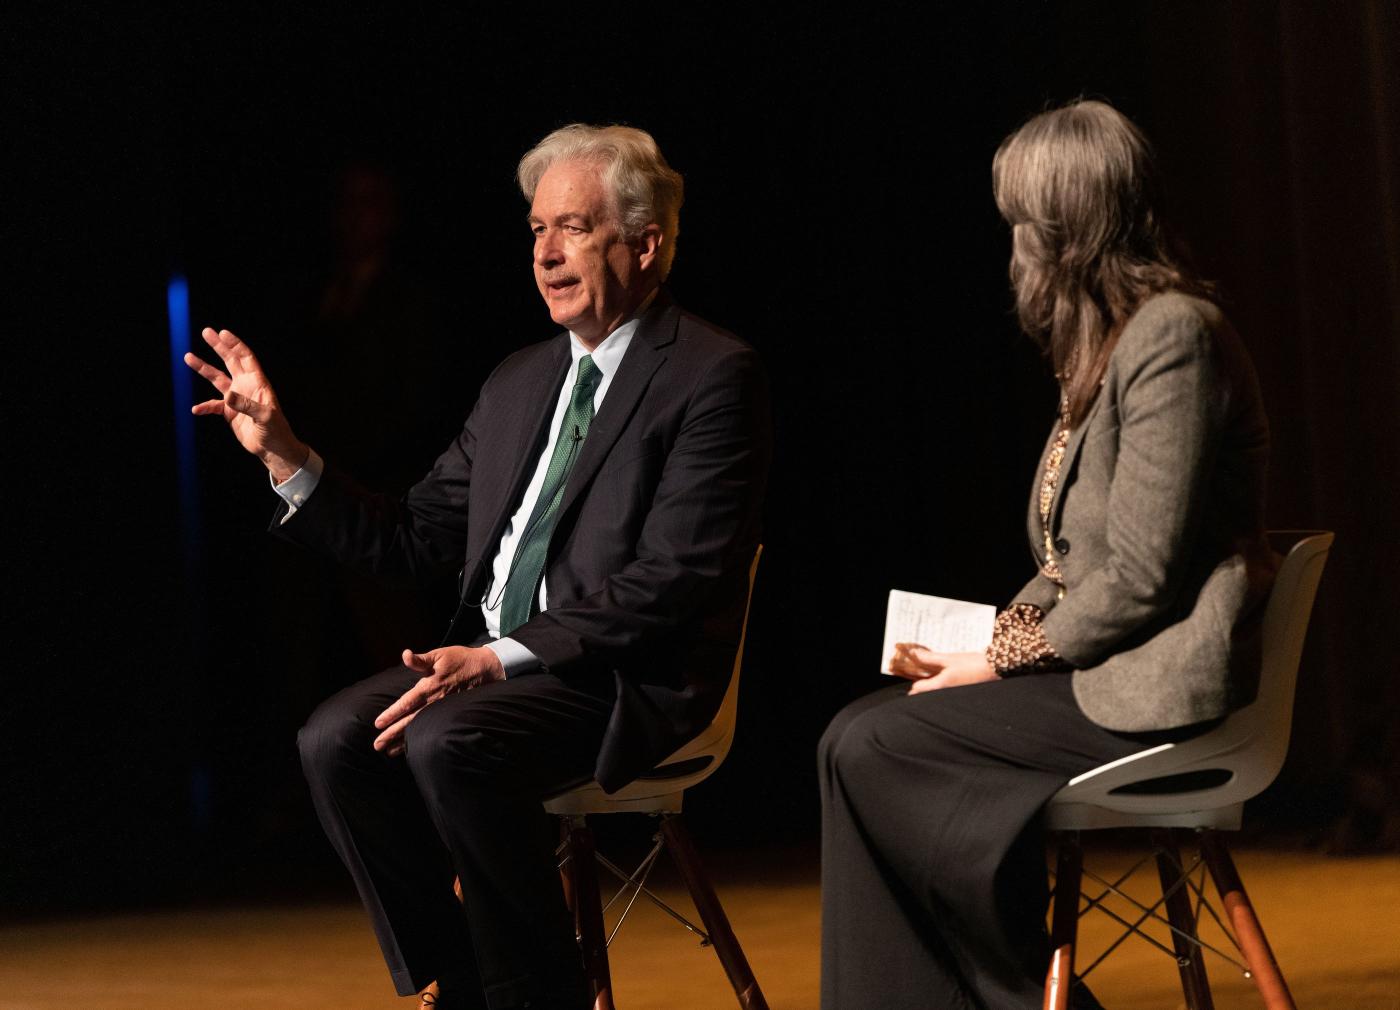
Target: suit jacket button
{"x":1062,"y":545}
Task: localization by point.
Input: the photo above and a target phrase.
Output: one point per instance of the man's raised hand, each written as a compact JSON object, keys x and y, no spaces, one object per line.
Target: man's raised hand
{"x":445,"y":671}
{"x":249,"y":405}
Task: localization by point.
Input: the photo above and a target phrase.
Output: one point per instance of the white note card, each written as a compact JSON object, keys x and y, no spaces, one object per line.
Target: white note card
{"x":936,"y":622}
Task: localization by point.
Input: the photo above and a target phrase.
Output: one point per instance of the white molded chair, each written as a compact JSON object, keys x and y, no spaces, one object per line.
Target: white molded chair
{"x":660,"y":792}
{"x":1200,"y":784}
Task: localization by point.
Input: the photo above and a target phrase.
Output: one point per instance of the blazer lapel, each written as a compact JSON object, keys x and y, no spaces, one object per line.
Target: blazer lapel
{"x":644,"y":356}
{"x":1076,"y":440}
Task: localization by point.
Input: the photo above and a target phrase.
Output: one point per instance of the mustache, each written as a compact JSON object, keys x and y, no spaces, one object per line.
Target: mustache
{"x":549,"y":279}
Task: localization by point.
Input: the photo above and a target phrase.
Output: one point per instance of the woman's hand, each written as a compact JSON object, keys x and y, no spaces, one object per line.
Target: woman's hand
{"x":931,"y":671}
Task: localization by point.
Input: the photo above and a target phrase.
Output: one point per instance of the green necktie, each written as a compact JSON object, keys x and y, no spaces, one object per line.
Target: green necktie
{"x":523,"y":582}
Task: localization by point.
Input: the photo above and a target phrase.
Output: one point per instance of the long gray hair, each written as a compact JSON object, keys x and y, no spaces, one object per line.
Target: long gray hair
{"x":1080,"y":189}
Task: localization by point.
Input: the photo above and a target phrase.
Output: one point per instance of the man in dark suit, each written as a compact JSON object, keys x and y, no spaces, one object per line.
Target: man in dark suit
{"x":602,"y":502}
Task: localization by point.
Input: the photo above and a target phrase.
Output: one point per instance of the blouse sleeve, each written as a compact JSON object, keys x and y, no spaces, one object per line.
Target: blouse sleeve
{"x":1018,"y":645}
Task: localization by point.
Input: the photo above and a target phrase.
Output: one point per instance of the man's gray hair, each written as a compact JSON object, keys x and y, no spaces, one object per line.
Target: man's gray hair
{"x":643,"y":188}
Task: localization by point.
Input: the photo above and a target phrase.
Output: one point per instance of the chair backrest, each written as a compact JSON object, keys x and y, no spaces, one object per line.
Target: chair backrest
{"x":1247,"y":749}
{"x":663,"y":789}
{"x":715,"y":739}
{"x":1268,"y":721}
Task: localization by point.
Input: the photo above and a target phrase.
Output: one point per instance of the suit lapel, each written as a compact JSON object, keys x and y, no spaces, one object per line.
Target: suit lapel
{"x":644,"y":356}
{"x":538,"y":399}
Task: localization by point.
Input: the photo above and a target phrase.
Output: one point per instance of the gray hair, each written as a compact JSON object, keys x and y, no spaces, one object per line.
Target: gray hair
{"x":1080,"y":188}
{"x":644,"y":189}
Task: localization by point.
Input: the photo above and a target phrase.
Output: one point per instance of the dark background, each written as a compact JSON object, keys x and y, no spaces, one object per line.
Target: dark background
{"x":838,"y":216}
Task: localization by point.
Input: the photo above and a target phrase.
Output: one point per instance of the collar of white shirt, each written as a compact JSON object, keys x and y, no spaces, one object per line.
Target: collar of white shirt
{"x":608,"y":354}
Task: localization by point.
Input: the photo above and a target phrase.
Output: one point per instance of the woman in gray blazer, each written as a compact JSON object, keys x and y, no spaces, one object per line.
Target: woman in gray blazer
{"x":1141,"y":623}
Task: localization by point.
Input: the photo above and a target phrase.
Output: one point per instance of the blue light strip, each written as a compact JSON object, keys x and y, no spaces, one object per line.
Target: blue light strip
{"x":182,"y":382}
{"x":177,"y":300}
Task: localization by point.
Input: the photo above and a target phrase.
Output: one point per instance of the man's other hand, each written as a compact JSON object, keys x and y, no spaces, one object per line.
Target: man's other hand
{"x":249,"y":405}
{"x":445,"y":671}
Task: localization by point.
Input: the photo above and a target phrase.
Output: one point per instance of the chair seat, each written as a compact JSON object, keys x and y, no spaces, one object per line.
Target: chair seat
{"x":1089,"y":817}
{"x":1203,"y":782}
{"x":640,"y":797}
{"x":659,"y":791}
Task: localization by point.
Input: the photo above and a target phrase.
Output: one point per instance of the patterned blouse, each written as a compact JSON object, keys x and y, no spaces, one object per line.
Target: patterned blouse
{"x":1018,"y":645}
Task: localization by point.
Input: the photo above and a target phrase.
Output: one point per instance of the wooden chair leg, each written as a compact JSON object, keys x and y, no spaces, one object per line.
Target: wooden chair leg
{"x":1263,"y":968}
{"x":1059,"y":979}
{"x":1189,"y":956}
{"x":1064,"y":923}
{"x":588,"y":905}
{"x":731,"y":955}
{"x":566,"y":870}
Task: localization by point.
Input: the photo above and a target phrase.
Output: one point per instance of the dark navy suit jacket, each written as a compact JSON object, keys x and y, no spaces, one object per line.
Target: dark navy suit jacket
{"x":648,"y":562}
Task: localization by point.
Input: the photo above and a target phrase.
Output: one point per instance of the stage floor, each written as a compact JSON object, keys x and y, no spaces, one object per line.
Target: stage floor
{"x":1333,"y":923}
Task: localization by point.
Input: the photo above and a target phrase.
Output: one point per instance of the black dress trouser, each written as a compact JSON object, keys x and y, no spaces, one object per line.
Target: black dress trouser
{"x":464,"y":799}
{"x":934,"y":888}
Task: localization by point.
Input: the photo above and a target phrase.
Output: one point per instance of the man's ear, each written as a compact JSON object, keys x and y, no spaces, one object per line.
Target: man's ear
{"x":649,"y":244}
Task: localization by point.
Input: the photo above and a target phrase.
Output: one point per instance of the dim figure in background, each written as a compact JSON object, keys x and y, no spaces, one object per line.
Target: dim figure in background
{"x":351,"y":322}
{"x":367,"y":329}
{"x":373,"y":326}
{"x":1141,"y":624}
{"x":602,"y":503}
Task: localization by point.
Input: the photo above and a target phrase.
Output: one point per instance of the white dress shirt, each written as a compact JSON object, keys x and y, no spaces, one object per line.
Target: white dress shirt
{"x":297,"y":488}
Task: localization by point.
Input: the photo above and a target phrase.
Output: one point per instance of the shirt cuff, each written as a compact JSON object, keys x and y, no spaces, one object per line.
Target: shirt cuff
{"x":298,"y":487}
{"x":1018,"y":643}
{"x":516,"y":658}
